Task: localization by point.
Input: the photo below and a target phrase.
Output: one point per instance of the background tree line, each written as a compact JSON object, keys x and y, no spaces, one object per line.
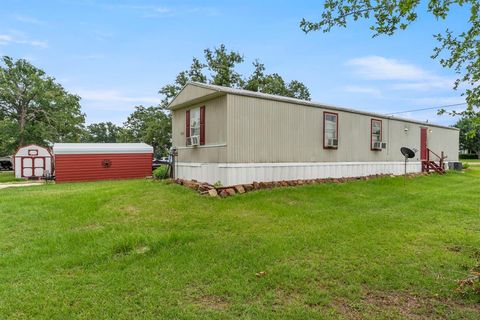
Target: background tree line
{"x":35,"y":109}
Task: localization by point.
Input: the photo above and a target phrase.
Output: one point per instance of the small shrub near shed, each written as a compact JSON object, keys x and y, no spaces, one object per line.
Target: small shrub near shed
{"x":161,"y":172}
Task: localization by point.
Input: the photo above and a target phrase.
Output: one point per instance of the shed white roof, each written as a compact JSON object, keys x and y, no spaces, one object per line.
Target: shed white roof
{"x":96,"y":148}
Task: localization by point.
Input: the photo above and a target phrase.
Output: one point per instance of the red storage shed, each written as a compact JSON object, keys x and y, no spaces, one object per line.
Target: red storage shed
{"x":102,"y":161}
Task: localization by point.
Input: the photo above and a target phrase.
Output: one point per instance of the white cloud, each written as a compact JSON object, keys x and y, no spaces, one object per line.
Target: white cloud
{"x":435,"y":101}
{"x":28,"y":19}
{"x":114,"y":96}
{"x":153,"y":11}
{"x":6,"y":39}
{"x":144,"y":10}
{"x":407,"y":76}
{"x":364,"y":89}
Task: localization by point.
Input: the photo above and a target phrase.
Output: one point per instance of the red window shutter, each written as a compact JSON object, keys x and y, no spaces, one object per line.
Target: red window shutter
{"x":202,"y":125}
{"x":187,"y":123}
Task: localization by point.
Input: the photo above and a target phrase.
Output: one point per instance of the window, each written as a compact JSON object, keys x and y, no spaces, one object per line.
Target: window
{"x":32,"y":152}
{"x":195,"y":122}
{"x":376,"y":134}
{"x":195,"y":126}
{"x":330,"y":130}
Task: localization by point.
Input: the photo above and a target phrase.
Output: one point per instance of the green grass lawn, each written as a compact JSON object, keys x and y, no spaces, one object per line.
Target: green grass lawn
{"x":151,"y":250}
{"x":8,"y":176}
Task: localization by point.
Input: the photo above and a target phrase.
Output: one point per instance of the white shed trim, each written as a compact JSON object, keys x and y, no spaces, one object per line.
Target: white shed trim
{"x":100,"y":148}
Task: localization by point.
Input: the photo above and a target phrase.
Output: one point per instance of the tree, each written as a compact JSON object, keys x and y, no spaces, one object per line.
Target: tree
{"x":149,"y":125}
{"x":103,"y":132}
{"x":470,"y":133}
{"x":222,"y":65}
{"x":458,"y":51}
{"x":34,"y":108}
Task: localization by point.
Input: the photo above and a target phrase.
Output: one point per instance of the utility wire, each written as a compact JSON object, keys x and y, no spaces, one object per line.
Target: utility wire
{"x":431,"y":108}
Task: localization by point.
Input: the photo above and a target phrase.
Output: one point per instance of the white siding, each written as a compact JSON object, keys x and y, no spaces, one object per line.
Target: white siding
{"x":242,"y":173}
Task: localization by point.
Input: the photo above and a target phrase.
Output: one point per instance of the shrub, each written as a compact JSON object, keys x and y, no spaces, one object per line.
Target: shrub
{"x":465,"y":165}
{"x":160,"y":172}
{"x":468,"y":156}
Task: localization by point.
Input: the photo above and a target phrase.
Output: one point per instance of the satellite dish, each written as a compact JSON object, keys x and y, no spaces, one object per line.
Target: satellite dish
{"x":407,"y":153}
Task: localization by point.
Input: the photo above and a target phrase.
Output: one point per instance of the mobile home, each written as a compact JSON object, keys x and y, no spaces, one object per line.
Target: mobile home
{"x":236,"y":136}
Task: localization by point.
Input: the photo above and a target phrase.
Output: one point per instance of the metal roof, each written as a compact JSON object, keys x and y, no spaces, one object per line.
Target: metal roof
{"x":260,"y":95}
{"x":98,"y":148}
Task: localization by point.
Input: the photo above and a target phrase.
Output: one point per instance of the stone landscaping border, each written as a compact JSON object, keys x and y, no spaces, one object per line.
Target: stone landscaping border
{"x":214,"y":191}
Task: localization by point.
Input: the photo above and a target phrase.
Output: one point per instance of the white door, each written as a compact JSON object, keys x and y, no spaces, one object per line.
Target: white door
{"x":38,"y":167}
{"x":33,"y":167}
{"x":27,"y":167}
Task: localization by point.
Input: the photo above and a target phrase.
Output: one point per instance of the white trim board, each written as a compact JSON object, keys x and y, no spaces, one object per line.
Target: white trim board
{"x":242,"y":173}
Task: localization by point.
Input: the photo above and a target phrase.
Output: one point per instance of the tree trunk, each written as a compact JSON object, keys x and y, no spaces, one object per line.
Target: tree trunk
{"x":21,"y":124}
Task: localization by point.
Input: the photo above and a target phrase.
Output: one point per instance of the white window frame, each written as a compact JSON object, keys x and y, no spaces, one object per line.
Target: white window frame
{"x":330,"y":134}
{"x":195,"y":115}
{"x":375,"y":137}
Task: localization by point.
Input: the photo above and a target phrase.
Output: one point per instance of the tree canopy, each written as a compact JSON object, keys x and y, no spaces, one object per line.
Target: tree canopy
{"x":220,"y":68}
{"x":34,"y":108}
{"x":470,"y":133}
{"x":103,"y":132}
{"x":459,"y":51}
{"x":150,"y":125}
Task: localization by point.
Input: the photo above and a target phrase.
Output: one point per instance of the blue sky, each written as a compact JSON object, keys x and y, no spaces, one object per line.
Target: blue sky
{"x":118,"y":54}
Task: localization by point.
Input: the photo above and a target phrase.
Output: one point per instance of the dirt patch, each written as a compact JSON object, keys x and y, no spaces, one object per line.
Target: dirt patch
{"x":89,"y":227}
{"x":286,"y":297}
{"x":403,"y":305}
{"x":212,"y":302}
{"x":131,"y":210}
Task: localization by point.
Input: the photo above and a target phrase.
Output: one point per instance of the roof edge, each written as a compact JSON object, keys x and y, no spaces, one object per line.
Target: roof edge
{"x":266,"y":96}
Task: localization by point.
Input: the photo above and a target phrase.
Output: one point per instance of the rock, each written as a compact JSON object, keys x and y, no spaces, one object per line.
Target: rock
{"x":248,"y":187}
{"x":223,"y":193}
{"x":265,"y":185}
{"x":261,"y":274}
{"x":230,"y":191}
{"x":212,"y":193}
{"x":240,"y":189}
{"x":256,"y":185}
{"x":284,"y":184}
{"x":205,"y":187}
{"x":191,"y":184}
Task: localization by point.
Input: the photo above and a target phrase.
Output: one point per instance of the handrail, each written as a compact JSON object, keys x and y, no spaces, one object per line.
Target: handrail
{"x":441,"y":158}
{"x":429,"y":150}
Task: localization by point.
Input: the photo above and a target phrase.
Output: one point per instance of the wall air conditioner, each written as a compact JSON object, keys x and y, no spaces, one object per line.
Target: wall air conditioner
{"x":377,"y":145}
{"x":193,"y":141}
{"x":332,"y":143}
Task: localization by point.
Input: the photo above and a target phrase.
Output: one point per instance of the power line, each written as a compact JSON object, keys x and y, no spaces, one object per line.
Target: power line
{"x":431,"y":108}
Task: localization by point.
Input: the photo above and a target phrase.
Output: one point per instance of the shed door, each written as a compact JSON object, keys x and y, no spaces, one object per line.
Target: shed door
{"x":27,"y":167}
{"x":39,"y":167}
{"x":33,"y":167}
{"x":423,"y":143}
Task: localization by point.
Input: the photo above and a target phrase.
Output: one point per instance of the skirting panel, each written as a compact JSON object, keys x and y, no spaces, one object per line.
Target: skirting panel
{"x":242,"y":173}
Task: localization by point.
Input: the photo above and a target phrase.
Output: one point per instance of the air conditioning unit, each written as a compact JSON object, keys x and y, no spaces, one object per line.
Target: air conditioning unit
{"x":193,"y":141}
{"x":377,"y":145}
{"x":332,"y":143}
